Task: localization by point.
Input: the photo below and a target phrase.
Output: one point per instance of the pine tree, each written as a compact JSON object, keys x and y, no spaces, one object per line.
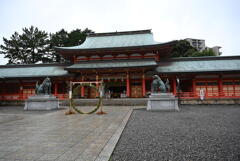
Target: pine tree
{"x":12,"y":50}
{"x":64,"y":39}
{"x":28,"y":48}
{"x":77,"y":37}
{"x":58,"y":39}
{"x":36,"y":46}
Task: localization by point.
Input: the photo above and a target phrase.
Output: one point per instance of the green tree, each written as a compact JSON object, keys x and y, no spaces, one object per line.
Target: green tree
{"x":183,"y":49}
{"x":11,"y":49}
{"x":28,"y":48}
{"x":206,"y":52}
{"x":59,"y":39}
{"x":77,"y":37}
{"x":63,"y":38}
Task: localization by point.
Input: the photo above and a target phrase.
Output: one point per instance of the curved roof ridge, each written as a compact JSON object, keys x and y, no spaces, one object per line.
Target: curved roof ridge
{"x":116,"y":40}
{"x":119,"y":33}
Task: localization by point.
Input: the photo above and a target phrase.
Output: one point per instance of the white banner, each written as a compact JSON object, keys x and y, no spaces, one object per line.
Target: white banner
{"x":70,"y":94}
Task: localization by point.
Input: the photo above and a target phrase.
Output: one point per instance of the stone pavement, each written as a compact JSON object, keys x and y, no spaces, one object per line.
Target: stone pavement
{"x":48,"y":136}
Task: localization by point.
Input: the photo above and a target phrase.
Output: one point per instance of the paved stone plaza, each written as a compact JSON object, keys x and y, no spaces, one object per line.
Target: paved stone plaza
{"x":51,"y":135}
{"x":204,"y":132}
{"x":194,"y":133}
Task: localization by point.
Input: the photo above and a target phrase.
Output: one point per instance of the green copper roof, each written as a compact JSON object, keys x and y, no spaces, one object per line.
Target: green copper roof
{"x":116,"y":40}
{"x":20,"y":71}
{"x":113,"y":64}
{"x":211,"y":64}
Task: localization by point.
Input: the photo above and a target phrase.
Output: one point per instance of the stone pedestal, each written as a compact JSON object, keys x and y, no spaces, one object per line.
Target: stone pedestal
{"x":41,"y":102}
{"x":162,"y":102}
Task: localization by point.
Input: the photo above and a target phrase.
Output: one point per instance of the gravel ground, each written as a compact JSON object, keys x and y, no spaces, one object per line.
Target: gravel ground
{"x":195,"y":133}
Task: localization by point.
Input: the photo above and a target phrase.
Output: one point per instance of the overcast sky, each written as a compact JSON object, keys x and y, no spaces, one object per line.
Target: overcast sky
{"x":216,"y":21}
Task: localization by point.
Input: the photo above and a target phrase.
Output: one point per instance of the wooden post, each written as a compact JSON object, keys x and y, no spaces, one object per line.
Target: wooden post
{"x":143,"y":85}
{"x":70,"y":89}
{"x":97,"y":86}
{"x":128,"y":85}
{"x":174,"y":87}
{"x":82,"y":88}
{"x":70,"y":108}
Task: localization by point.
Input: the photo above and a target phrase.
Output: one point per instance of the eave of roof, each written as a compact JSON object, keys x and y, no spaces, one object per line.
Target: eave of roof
{"x":200,"y":64}
{"x":33,"y":65}
{"x":154,"y":46}
{"x":112,"y":64}
{"x":33,"y":70}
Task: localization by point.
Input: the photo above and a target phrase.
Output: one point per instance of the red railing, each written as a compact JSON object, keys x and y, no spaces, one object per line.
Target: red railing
{"x":212,"y":94}
{"x":61,"y":96}
{"x":182,"y":95}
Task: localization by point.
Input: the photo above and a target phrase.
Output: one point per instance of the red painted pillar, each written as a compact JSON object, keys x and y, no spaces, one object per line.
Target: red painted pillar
{"x":194,"y":87}
{"x":220,"y":87}
{"x":4,"y":90}
{"x":157,"y":57}
{"x":20,"y":90}
{"x":82,"y":88}
{"x":55,"y":88}
{"x":174,"y":87}
{"x":128,"y":85}
{"x":143,"y":85}
{"x":74,"y":59}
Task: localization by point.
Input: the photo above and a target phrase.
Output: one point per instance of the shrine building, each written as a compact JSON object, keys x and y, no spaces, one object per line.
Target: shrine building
{"x":126,"y":62}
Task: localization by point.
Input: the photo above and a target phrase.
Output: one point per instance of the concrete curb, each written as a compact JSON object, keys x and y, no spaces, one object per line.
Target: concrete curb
{"x":106,"y":153}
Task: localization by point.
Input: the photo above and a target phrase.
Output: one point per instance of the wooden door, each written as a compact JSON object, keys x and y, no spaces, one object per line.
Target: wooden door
{"x":136,"y":91}
{"x":92,"y":93}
